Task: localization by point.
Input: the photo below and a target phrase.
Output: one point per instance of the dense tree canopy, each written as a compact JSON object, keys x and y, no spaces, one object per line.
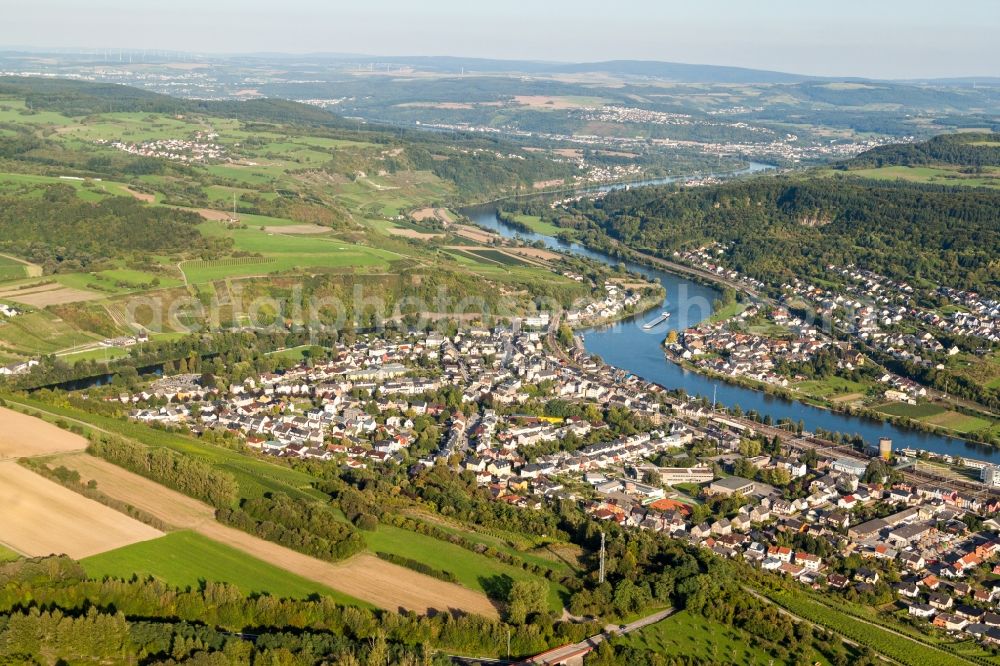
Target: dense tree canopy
{"x":777,"y":228}
{"x":61,"y":231}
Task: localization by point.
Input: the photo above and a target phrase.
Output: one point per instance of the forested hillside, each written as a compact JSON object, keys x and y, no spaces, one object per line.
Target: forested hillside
{"x":776,"y":228}
{"x":76,"y":98}
{"x":971,"y":150}
{"x":62,"y":232}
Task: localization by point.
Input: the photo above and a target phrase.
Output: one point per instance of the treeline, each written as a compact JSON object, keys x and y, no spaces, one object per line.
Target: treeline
{"x":777,"y":228}
{"x":458,"y":497}
{"x":310,"y":528}
{"x":192,"y":477}
{"x":967,"y":149}
{"x":482,"y":549}
{"x":50,"y":612}
{"x":64,"y":233}
{"x":417,"y":566}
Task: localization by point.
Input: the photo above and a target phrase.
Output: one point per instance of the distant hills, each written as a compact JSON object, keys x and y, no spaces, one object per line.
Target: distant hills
{"x":652,"y":69}
{"x":669,"y":71}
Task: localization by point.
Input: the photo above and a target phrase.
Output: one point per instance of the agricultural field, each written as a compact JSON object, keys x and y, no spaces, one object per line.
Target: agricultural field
{"x":919,"y":411}
{"x":187,"y":559}
{"x":255,"y":476}
{"x":41,"y":332}
{"x":297,"y":354}
{"x":14,"y":269}
{"x":915,"y":651}
{"x":540,"y":226}
{"x":48,"y":294}
{"x":940,"y":416}
{"x":96,"y":354}
{"x":558,"y":103}
{"x":119,"y":280}
{"x":833,"y":388}
{"x":363,"y":576}
{"x":499,"y":257}
{"x":86,"y":189}
{"x":23,"y":436}
{"x":40,"y":517}
{"x":561,"y":557}
{"x":488,"y":257}
{"x":282,"y":252}
{"x":937,"y":175}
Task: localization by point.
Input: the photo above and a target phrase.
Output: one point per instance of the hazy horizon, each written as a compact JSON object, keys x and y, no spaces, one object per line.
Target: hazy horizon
{"x":891,"y":39}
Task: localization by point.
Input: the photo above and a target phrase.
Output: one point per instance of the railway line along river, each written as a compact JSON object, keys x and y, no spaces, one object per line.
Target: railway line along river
{"x":628,"y":346}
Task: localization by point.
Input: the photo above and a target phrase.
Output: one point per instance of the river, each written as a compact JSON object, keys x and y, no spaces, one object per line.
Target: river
{"x":628,"y":346}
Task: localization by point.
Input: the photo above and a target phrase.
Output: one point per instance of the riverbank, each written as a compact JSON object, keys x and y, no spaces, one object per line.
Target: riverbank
{"x":820,"y":402}
{"x":626,"y":346}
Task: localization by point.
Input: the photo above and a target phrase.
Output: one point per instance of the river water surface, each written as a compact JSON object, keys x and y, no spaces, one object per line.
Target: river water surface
{"x":628,"y":346}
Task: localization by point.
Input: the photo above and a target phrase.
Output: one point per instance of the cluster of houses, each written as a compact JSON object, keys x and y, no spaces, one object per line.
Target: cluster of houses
{"x":981,"y":317}
{"x":922,"y":543}
{"x":617,"y":300}
{"x":361,"y":405}
{"x":707,"y":257}
{"x":976,"y":316}
{"x":201,"y":149}
{"x":721,"y":349}
{"x":316,"y":408}
{"x":878,"y":310}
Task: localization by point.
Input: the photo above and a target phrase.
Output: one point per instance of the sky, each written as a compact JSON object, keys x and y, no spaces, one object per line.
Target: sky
{"x":872,"y":38}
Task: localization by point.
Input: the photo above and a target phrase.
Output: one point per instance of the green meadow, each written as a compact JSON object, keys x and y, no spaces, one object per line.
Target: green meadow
{"x":188,"y":560}
{"x":698,"y":639}
{"x":474,"y":571}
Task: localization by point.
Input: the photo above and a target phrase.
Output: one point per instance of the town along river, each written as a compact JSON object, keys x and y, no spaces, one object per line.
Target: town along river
{"x":628,"y":346}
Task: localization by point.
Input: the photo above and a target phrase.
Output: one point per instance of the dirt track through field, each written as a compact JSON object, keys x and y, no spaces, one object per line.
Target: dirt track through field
{"x":413,"y":233}
{"x":24,"y":436}
{"x":298,"y":229}
{"x":364,"y":576}
{"x":40,"y":517}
